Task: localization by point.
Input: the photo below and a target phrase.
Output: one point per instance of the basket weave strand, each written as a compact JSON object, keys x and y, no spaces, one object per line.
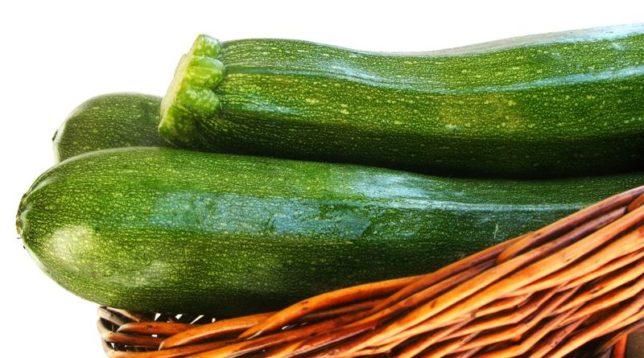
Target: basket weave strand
{"x":574,"y":287}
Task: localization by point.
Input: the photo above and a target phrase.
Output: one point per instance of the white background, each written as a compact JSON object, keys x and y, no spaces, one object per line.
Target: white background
{"x":56,"y":54}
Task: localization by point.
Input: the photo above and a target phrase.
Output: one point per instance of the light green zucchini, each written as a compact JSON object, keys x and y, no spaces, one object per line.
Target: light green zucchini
{"x":560,"y":104}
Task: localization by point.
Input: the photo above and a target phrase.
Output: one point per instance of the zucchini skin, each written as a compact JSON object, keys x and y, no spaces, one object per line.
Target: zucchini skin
{"x":110,"y":121}
{"x":564,"y":104}
{"x":167,"y":230}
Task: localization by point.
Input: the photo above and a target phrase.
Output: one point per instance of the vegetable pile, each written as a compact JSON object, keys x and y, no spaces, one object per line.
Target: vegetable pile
{"x":274,"y":170}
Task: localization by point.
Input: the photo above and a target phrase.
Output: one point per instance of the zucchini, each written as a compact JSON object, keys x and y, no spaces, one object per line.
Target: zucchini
{"x":560,"y":104}
{"x":110,"y":121}
{"x":157,"y":229}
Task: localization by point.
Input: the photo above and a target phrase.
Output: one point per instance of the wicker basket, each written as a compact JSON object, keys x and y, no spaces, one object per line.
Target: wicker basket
{"x":572,"y":288}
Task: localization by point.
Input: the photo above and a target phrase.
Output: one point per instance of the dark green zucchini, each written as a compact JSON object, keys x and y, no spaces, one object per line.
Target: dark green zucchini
{"x":156,"y":229}
{"x":569,"y":103}
{"x":110,"y":121}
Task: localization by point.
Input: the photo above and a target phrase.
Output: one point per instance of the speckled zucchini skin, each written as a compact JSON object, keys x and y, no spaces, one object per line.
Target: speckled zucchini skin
{"x":568,"y":103}
{"x":159,"y":229}
{"x":110,"y":121}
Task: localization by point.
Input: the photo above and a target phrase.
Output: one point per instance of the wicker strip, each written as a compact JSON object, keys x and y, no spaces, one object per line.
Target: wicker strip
{"x":573,"y":287}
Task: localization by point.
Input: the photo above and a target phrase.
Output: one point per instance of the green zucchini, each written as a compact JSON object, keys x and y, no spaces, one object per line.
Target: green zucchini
{"x":157,"y":229}
{"x":568,"y":103}
{"x":110,"y":121}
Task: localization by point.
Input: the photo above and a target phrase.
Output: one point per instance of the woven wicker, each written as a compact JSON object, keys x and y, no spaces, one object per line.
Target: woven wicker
{"x":572,"y":288}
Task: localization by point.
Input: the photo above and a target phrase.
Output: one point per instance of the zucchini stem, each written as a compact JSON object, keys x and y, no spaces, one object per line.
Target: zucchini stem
{"x":191,"y":93}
